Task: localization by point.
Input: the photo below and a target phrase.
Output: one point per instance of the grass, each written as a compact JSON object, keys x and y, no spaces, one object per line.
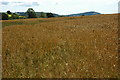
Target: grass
{"x":67,"y":47}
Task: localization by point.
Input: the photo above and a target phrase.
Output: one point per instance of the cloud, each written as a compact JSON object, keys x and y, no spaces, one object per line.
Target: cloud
{"x":19,"y":3}
{"x":64,"y":7}
{"x":4,"y":3}
{"x":16,"y":2}
{"x":35,"y":4}
{"x":30,"y":4}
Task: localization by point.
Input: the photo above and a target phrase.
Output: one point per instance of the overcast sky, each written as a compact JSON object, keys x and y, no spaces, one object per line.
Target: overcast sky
{"x":61,"y":6}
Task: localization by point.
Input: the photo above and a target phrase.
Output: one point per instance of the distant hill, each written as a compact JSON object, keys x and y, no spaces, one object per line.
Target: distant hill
{"x":84,"y":14}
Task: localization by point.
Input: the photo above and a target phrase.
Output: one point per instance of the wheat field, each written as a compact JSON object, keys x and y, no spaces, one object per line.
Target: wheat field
{"x":63,"y":47}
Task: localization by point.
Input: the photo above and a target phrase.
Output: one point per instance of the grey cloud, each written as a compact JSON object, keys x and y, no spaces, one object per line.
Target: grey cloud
{"x":30,"y":4}
{"x":22,"y":3}
{"x":4,"y":3}
{"x":35,"y":4}
{"x":26,"y":5}
{"x":17,"y":2}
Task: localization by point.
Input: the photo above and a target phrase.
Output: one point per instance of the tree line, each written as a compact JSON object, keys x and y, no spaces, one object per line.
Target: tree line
{"x":30,"y":13}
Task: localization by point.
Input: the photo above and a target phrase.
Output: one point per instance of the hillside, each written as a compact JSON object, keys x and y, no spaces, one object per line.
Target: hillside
{"x":84,"y":14}
{"x":63,"y":47}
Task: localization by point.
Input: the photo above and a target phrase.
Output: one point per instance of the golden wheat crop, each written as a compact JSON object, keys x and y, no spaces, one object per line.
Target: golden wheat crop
{"x":67,"y":47}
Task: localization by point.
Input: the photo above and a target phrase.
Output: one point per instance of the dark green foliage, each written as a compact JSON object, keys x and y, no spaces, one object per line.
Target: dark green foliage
{"x":62,"y":16}
{"x":49,"y":15}
{"x":4,"y":16}
{"x":31,"y":13}
{"x":43,"y":15}
{"x":9,"y":12}
{"x":0,"y":16}
{"x":38,"y":14}
{"x":83,"y":15}
{"x":15,"y":16}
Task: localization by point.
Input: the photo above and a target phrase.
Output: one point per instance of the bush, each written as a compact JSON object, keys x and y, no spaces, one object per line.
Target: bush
{"x":43,"y":15}
{"x":4,"y":16}
{"x":15,"y":16}
{"x":49,"y":15}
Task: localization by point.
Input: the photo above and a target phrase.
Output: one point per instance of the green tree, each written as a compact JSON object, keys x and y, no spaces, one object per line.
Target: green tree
{"x":15,"y":16}
{"x":4,"y":16}
{"x":9,"y":12}
{"x":43,"y":15}
{"x":82,"y":15}
{"x":31,"y":13}
{"x":49,"y":15}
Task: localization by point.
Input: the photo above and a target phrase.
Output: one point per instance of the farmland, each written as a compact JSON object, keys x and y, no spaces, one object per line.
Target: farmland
{"x":64,"y":47}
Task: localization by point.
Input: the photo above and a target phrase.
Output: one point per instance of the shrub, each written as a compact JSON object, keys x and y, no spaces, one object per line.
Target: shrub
{"x":4,"y":16}
{"x":15,"y":16}
{"x":49,"y":15}
{"x":43,"y":15}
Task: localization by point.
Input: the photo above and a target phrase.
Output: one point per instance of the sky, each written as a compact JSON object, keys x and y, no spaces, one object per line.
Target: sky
{"x":62,"y":7}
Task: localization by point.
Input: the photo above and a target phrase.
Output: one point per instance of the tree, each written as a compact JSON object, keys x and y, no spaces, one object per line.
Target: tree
{"x":43,"y":15}
{"x":4,"y":16}
{"x":82,"y":15}
{"x":49,"y":15}
{"x":31,"y":13}
{"x":61,"y":16}
{"x":9,"y":12}
{"x":15,"y":16}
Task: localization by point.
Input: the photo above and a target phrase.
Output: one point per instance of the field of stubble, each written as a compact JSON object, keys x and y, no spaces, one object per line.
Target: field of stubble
{"x":66,"y":47}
